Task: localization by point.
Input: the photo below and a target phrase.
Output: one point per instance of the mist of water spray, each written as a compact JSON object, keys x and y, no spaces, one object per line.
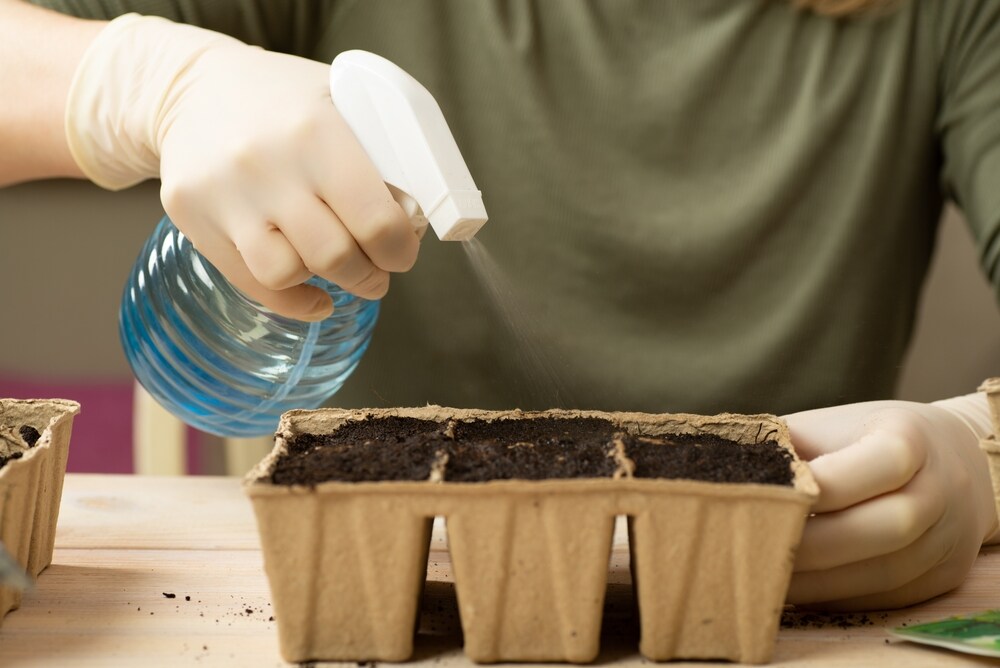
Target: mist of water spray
{"x":534,"y":358}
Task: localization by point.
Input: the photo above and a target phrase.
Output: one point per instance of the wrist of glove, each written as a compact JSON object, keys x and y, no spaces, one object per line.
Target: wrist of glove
{"x":981,"y":414}
{"x":906,"y":501}
{"x":119,"y":100}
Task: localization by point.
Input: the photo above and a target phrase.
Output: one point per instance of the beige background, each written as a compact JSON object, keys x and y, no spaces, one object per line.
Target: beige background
{"x":67,"y":248}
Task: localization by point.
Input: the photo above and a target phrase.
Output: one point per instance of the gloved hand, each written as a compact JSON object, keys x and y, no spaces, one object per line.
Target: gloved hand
{"x":258,"y":169}
{"x":905,"y":501}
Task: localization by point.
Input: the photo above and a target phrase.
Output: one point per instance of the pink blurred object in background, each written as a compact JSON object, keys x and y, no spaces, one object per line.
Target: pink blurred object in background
{"x":102,"y":432}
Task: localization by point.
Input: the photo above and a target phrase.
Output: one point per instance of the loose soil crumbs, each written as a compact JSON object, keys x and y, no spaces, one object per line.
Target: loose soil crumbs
{"x":792,"y":619}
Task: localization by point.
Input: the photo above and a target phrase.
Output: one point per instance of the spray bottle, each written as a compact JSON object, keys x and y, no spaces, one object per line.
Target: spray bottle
{"x":229,"y":366}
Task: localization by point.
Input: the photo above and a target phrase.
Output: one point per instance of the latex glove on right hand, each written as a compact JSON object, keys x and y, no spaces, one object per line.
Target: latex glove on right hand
{"x":905,"y":501}
{"x":258,"y":169}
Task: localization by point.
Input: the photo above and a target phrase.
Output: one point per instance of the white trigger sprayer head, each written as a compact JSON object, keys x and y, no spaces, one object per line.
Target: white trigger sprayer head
{"x":403,"y":131}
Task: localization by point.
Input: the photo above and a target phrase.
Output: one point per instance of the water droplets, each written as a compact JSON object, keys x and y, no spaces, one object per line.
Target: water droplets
{"x":532,"y":354}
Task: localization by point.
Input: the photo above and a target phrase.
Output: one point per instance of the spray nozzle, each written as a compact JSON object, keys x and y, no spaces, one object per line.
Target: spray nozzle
{"x":401,"y":127}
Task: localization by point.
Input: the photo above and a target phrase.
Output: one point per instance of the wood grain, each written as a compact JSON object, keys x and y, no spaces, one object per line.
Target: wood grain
{"x":124,"y":541}
{"x":149,"y":512}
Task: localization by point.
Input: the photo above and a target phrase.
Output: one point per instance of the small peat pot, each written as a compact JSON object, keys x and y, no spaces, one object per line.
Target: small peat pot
{"x":34,"y":445}
{"x":345,"y":502}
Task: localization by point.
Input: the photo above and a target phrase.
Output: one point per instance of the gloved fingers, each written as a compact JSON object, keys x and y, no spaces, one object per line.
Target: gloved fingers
{"x":879,"y":462}
{"x":824,"y":430}
{"x":301,"y":302}
{"x":271,"y":259}
{"x":329,"y":250}
{"x":882,"y":525}
{"x":866,"y":591}
{"x":900,"y":546}
{"x":347,"y":181}
{"x":874,"y":577}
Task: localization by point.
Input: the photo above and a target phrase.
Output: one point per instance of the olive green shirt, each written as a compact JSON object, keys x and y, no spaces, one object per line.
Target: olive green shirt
{"x":695,"y":205}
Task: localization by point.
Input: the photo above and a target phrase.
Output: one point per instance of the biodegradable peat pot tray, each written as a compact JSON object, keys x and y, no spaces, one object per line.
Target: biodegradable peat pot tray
{"x":34,"y":445}
{"x":346,"y":499}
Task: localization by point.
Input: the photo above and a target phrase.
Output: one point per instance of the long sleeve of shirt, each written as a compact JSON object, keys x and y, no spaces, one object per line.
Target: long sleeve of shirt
{"x":969,"y":122}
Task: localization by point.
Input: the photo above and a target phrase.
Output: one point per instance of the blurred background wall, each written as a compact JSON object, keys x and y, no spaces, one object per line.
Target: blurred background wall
{"x":67,"y":248}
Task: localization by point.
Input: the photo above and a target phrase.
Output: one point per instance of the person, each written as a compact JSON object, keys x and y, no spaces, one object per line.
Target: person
{"x":697,"y":206}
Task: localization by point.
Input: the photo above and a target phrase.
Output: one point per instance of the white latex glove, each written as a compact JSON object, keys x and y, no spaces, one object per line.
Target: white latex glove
{"x":905,"y":501}
{"x":258,"y":169}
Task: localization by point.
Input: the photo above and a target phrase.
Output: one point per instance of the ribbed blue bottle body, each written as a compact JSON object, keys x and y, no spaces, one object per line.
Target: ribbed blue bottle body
{"x":221,"y":362}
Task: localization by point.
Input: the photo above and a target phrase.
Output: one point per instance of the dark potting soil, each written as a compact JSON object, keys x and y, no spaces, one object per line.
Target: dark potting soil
{"x":395,"y":448}
{"x":391,"y":448}
{"x":11,"y":457}
{"x":381,"y":430}
{"x":535,"y":449}
{"x":364,"y":461}
{"x":29,"y":435}
{"x":710,"y":458}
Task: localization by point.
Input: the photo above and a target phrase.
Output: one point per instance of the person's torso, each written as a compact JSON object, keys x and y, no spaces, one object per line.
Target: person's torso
{"x":699,"y":205}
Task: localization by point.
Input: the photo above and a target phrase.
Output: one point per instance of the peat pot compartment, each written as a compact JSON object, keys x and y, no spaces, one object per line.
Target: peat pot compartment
{"x":712,"y":526}
{"x":530,"y":561}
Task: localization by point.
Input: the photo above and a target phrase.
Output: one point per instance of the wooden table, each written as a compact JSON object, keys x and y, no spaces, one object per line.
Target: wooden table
{"x":126,"y":542}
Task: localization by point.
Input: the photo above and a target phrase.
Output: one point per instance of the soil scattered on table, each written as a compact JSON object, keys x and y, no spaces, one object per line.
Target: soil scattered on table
{"x":807,"y":619}
{"x":243,"y":608}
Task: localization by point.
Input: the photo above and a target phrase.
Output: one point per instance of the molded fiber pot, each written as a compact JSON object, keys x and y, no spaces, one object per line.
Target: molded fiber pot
{"x":711,"y":561}
{"x":31,"y":487}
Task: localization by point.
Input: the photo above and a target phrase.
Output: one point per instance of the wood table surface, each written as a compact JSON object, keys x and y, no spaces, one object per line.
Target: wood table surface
{"x":124,"y":542}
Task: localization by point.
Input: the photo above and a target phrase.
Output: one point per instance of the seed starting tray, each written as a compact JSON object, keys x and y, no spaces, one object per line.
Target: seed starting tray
{"x":711,"y":562}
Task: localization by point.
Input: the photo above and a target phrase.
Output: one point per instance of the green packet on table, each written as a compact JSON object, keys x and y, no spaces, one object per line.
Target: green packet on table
{"x":977,"y":633}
